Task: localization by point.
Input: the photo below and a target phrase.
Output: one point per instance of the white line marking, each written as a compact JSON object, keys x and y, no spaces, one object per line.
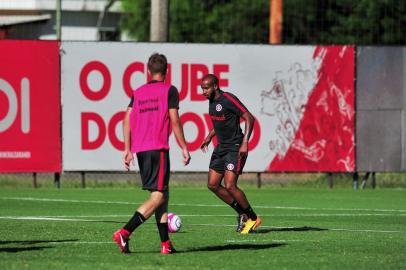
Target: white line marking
{"x":47,"y":219}
{"x":324,"y":229}
{"x":204,"y":205}
{"x":212,"y":225}
{"x":268,"y":240}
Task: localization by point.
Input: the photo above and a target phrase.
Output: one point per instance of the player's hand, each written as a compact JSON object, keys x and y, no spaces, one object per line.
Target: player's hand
{"x":243,"y":152}
{"x":128,"y":159}
{"x":205,"y":145}
{"x":186,"y":156}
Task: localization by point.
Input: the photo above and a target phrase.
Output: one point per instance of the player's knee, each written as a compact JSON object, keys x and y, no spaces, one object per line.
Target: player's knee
{"x":230,"y":187}
{"x":212,"y":187}
{"x":157,"y":197}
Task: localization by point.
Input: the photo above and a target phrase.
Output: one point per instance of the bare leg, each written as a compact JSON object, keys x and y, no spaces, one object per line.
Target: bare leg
{"x":156,"y":198}
{"x":214,"y":185}
{"x":230,"y":181}
{"x":161,"y":213}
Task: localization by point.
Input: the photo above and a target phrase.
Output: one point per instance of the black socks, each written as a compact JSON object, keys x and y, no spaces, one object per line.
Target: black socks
{"x":237,"y":207}
{"x":250,"y":213}
{"x":134,"y":222}
{"x":163,"y":231}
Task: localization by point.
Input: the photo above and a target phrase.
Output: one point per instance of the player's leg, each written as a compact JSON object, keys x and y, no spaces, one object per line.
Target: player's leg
{"x":144,"y":212}
{"x":364,"y":180}
{"x":153,"y":179}
{"x":234,"y":166}
{"x":355,"y":178}
{"x":161,"y":217}
{"x":214,"y":184}
{"x":215,"y":176}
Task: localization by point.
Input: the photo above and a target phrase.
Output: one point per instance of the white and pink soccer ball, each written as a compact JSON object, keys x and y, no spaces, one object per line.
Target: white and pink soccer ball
{"x":174,"y":223}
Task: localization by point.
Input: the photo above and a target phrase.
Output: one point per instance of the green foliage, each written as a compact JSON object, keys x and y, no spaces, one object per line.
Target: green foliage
{"x":246,"y":21}
{"x":210,"y":21}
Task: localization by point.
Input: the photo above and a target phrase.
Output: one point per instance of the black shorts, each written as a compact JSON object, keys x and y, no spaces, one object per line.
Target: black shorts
{"x":227,"y":158}
{"x":154,"y":169}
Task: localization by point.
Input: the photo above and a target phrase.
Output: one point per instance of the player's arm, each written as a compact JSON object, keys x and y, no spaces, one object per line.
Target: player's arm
{"x":207,"y":140}
{"x":127,"y":155}
{"x":178,"y":131}
{"x":249,"y":125}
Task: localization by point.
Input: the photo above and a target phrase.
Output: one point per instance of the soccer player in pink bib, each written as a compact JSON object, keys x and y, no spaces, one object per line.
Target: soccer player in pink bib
{"x":151,"y":114}
{"x":229,"y":156}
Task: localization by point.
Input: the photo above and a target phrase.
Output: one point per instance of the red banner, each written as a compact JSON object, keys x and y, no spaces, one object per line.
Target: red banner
{"x":29,"y":106}
{"x":324,"y":140}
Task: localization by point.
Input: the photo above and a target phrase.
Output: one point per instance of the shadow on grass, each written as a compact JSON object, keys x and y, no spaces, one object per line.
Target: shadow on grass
{"x":20,"y":249}
{"x":290,"y":229}
{"x":33,"y":242}
{"x":30,"y":242}
{"x":233,"y":247}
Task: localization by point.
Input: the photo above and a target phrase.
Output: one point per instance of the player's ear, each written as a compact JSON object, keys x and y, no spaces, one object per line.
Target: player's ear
{"x":215,"y":86}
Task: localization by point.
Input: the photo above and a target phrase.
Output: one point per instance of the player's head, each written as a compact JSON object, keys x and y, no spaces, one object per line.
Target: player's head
{"x":157,"y":64}
{"x":209,"y":85}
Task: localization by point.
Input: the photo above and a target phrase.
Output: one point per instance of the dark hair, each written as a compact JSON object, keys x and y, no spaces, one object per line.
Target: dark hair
{"x":213,"y":79}
{"x":157,"y":63}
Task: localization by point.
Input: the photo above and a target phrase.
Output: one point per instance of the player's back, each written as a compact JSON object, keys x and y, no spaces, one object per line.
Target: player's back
{"x":150,"y":117}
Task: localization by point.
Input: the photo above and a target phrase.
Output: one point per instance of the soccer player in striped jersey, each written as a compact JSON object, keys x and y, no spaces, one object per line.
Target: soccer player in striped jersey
{"x":153,"y":110}
{"x":229,"y":156}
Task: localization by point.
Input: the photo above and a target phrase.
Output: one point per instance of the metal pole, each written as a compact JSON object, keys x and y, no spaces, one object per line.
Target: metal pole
{"x":159,"y":20}
{"x":58,"y":23}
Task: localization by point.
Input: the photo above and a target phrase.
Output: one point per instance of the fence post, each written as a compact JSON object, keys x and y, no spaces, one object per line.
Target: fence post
{"x":83,"y":179}
{"x":373,"y":180}
{"x":330,"y":180}
{"x":57,"y":180}
{"x":34,"y":180}
{"x":259,"y":180}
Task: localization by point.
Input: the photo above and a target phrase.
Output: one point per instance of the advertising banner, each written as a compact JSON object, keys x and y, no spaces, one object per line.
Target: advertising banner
{"x":301,"y":96}
{"x":29,"y":107}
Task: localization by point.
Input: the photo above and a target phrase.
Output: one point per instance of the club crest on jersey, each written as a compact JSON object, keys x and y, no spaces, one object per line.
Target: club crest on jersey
{"x":230,"y":166}
{"x":219,"y":107}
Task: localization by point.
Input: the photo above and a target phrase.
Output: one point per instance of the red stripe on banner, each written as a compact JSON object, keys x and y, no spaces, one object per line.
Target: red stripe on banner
{"x":324,"y":139}
{"x":161,"y":170}
{"x":235,"y":102}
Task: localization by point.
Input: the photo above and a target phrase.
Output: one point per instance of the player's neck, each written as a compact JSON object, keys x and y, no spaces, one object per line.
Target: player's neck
{"x":217,"y":94}
{"x":158,"y":77}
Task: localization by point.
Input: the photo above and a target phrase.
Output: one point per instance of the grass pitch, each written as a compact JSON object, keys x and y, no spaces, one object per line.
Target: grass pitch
{"x":302,"y":229}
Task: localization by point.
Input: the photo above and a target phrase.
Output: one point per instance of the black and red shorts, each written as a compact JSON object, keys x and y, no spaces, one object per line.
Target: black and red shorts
{"x":154,"y":169}
{"x":226,"y":157}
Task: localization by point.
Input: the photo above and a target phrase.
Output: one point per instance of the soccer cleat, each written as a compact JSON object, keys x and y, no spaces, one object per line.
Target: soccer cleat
{"x":167,"y":248}
{"x":251,"y":225}
{"x":241,"y":219}
{"x":122,"y":237}
{"x":258,"y":223}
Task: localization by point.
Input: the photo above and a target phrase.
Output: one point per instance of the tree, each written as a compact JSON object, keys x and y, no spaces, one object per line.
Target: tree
{"x":214,"y":21}
{"x":246,"y":21}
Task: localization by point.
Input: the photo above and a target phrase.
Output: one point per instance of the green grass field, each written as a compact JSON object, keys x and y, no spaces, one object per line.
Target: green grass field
{"x":302,"y":229}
